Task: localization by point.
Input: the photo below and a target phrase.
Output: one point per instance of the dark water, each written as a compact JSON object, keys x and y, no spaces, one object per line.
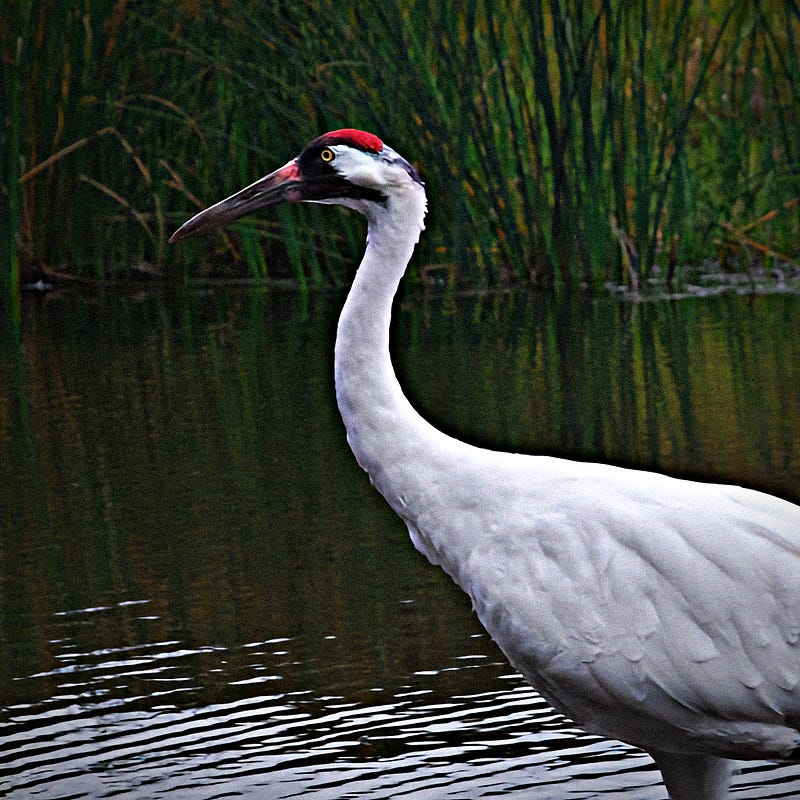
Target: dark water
{"x":202,"y":597}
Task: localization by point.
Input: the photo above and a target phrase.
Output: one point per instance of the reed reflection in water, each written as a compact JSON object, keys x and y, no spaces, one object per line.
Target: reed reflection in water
{"x":201,"y":596}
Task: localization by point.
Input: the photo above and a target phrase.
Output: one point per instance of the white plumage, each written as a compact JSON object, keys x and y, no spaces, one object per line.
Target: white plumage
{"x":658,"y":611}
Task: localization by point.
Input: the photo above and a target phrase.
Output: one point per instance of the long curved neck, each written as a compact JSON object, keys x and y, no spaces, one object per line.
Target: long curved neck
{"x":377,"y":416}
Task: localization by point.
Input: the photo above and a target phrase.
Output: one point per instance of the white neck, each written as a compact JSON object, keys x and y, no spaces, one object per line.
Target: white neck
{"x":380,"y":421}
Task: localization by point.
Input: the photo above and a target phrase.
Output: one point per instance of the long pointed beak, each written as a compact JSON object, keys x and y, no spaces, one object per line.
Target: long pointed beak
{"x":282,"y":186}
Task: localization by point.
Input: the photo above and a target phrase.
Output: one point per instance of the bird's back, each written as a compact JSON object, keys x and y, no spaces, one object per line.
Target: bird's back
{"x":656,"y":610}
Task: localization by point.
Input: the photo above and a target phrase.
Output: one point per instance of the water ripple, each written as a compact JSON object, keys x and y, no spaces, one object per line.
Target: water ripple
{"x":501,"y":741}
{"x":163,"y":718}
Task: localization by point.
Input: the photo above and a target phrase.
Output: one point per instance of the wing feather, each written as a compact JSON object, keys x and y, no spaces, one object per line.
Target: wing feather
{"x":622,"y":593}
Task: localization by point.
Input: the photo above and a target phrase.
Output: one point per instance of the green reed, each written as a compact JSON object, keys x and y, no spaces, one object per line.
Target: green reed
{"x":562,"y":144}
{"x":15,"y":53}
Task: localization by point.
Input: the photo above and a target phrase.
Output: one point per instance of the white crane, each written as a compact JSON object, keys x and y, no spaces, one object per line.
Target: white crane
{"x":657,"y":611}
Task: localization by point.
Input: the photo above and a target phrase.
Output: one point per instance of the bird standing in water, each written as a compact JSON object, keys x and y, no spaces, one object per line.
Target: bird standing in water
{"x":658,"y":611}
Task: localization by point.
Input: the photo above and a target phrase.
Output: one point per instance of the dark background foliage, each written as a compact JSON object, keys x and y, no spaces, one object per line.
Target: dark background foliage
{"x":563,"y":144}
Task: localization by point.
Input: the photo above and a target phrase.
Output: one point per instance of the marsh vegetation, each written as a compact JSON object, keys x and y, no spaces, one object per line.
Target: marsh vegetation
{"x":564,"y":144}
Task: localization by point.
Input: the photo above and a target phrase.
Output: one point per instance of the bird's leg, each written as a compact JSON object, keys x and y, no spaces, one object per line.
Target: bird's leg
{"x":694,"y":776}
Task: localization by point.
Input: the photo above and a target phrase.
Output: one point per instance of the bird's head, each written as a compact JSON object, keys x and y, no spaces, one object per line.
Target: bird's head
{"x":346,"y":167}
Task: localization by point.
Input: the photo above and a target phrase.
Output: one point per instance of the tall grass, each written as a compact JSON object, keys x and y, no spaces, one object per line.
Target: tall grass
{"x":16,"y":52}
{"x":563,"y":144}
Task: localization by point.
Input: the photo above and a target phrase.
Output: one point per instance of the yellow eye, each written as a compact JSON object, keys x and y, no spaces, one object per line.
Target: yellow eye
{"x":327,"y":155}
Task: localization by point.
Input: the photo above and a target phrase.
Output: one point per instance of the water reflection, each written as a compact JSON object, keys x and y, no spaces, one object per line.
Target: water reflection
{"x":421,"y":740}
{"x":201,"y":595}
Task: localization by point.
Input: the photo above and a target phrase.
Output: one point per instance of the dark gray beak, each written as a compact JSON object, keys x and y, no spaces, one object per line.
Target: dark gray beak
{"x":285,"y":185}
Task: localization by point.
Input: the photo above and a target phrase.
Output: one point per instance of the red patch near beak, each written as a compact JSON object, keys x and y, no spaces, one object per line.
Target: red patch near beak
{"x":291,"y":172}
